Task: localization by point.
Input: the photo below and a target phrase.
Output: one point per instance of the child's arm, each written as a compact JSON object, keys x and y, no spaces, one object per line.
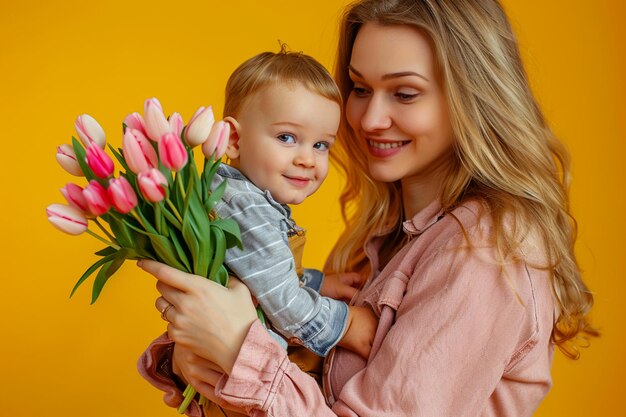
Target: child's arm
{"x":360,"y":330}
{"x":267,"y":267}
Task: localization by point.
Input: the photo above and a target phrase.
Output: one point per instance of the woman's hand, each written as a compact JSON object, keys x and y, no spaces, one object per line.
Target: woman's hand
{"x":209,"y":320}
{"x":195,"y":370}
{"x":202,"y":374}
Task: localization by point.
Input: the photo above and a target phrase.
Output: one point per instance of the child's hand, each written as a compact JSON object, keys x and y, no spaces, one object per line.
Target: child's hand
{"x":360,"y":331}
{"x":341,"y":286}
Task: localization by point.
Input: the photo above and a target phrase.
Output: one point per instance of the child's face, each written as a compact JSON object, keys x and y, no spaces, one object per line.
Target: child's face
{"x":284,"y":134}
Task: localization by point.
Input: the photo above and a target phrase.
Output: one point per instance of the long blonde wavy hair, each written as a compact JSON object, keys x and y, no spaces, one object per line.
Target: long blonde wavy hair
{"x":505,"y":153}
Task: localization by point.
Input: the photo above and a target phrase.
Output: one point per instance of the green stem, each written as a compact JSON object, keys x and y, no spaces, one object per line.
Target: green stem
{"x":105,"y":231}
{"x":180,"y":185}
{"x":100,"y":238}
{"x":138,"y":218}
{"x":158,"y":218}
{"x":190,"y":393}
{"x":174,"y":210}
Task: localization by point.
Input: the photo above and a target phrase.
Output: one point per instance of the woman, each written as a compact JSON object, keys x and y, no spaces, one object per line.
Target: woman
{"x":457,"y":191}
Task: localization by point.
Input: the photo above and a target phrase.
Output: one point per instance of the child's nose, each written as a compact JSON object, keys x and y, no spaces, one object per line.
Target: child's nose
{"x":305,"y":157}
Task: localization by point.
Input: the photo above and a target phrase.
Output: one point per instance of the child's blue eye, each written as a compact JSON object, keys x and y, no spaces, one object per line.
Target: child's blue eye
{"x":286,"y":138}
{"x":321,"y":146}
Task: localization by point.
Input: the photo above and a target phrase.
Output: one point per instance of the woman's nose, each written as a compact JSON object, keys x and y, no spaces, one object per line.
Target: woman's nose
{"x":376,"y":115}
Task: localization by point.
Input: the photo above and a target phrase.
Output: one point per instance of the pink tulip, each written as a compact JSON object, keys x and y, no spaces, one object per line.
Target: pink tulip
{"x":122,"y":195}
{"x":67,"y":219}
{"x":172,"y":152}
{"x":217,"y":141}
{"x":138,"y":151}
{"x":97,"y":198}
{"x":89,"y":131}
{"x":153,"y":185}
{"x":176,"y":123}
{"x":135,"y":121}
{"x":199,"y":127}
{"x":67,"y":159}
{"x":154,"y":119}
{"x":74,"y":195}
{"x":100,"y":163}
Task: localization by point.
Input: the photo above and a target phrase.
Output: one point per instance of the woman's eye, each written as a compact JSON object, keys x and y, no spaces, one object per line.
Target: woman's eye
{"x":321,"y":146}
{"x":286,"y":138}
{"x":360,"y":91}
{"x":407,"y":95}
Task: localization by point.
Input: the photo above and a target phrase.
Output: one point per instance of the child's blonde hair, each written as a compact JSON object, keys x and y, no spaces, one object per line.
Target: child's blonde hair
{"x":505,"y":153}
{"x":270,"y":68}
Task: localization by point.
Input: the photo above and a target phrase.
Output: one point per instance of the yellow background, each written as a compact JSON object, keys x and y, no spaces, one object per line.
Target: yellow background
{"x":61,"y":357}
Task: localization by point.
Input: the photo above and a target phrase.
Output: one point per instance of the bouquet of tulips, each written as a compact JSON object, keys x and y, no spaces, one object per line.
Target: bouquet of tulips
{"x":159,"y":206}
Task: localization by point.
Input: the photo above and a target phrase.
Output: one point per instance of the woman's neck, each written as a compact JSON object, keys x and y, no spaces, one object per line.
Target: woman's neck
{"x":416,"y":196}
{"x":420,"y":190}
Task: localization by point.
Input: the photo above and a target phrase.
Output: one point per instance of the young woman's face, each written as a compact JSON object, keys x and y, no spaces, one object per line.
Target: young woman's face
{"x":397,"y":107}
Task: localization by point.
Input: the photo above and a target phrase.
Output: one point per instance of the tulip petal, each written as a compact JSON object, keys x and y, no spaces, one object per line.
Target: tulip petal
{"x":67,"y":219}
{"x":155,"y":122}
{"x":90,"y":131}
{"x":67,"y":159}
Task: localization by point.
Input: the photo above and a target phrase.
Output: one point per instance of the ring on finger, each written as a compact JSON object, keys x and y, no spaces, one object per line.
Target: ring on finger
{"x":165,"y":310}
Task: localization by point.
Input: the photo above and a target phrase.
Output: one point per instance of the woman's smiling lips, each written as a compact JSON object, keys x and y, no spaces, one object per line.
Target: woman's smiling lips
{"x":385,"y":148}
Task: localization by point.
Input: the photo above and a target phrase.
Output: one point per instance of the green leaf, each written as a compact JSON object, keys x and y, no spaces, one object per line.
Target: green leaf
{"x":81,"y":158}
{"x":188,"y":196}
{"x":222,"y":276}
{"x":91,"y":270}
{"x":220,"y":252}
{"x":261,"y":315}
{"x":201,"y":225}
{"x":145,"y":222}
{"x":196,"y":225}
{"x":193,"y":172}
{"x":171,"y":218}
{"x":207,"y":176}
{"x":163,"y":248}
{"x":120,"y":158}
{"x":106,"y":251}
{"x":231,"y":231}
{"x":105,"y":273}
{"x":120,"y":230}
{"x":166,"y":251}
{"x":190,"y":237}
{"x":182,"y":255}
{"x":214,"y":197}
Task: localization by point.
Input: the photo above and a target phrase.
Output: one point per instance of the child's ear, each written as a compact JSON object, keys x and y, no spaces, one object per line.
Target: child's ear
{"x":232,"y":150}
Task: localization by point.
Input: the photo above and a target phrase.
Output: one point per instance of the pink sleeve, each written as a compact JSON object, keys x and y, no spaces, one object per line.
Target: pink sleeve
{"x":265,"y":382}
{"x":459,"y":329}
{"x":155,"y":365}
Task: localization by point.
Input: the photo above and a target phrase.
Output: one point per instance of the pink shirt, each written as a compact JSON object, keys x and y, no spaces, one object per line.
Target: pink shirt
{"x":459,"y":335}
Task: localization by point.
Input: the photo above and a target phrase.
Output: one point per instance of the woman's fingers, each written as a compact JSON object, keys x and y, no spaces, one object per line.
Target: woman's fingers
{"x":168,"y":310}
{"x":168,"y":275}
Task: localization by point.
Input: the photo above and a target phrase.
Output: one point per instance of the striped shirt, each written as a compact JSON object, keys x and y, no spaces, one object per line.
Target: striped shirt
{"x":266,"y":265}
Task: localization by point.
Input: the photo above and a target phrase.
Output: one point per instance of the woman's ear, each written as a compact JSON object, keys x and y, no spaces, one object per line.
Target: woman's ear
{"x":232,"y":150}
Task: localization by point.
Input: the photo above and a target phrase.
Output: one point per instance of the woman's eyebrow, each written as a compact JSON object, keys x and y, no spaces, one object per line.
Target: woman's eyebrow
{"x":391,"y":75}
